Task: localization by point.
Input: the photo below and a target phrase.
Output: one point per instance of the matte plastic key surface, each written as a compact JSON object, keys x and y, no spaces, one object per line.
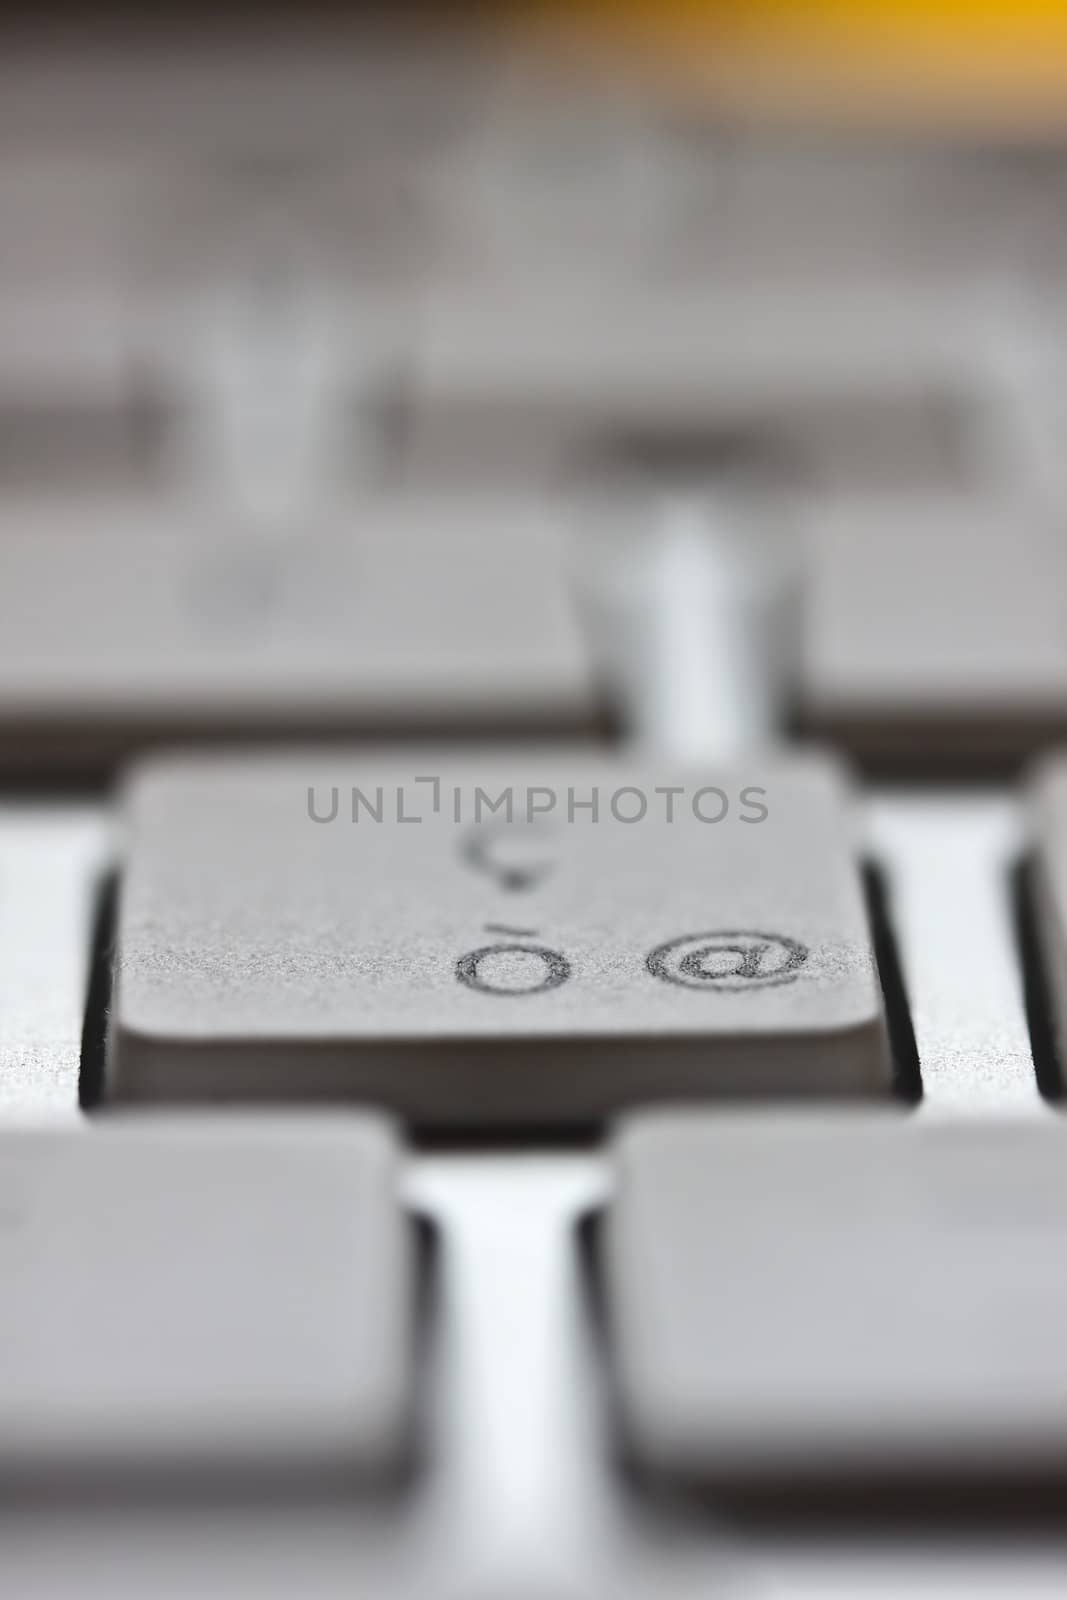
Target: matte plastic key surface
{"x":836,"y":1297}
{"x":296,"y":926}
{"x":416,"y":618}
{"x":933,"y":630}
{"x":232,"y":1292}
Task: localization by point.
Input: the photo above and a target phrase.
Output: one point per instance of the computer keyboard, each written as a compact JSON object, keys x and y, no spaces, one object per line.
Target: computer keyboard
{"x":566,"y":711}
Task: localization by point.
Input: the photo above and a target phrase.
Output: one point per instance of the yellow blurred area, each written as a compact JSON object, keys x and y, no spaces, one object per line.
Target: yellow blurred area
{"x":997,"y":64}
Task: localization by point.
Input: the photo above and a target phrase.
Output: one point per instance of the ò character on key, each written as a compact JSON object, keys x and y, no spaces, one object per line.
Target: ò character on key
{"x":512,"y":968}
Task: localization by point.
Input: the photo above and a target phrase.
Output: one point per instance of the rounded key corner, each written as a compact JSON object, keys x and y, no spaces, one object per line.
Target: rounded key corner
{"x":658,"y":1436}
{"x":862,"y":1034}
{"x":632,"y":1129}
{"x":143,"y":773}
{"x":1044,"y":778}
{"x":821,"y":760}
{"x":379,"y":1131}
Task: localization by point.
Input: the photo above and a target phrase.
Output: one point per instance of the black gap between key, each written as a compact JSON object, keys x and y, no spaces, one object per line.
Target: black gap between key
{"x":1048,"y":1068}
{"x":907,"y":1070}
{"x":98,"y":993}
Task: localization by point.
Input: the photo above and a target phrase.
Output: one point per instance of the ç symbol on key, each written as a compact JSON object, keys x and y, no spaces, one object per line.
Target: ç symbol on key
{"x":479,"y":850}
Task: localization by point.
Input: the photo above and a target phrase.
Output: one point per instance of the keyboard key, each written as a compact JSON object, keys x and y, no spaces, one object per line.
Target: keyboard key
{"x":116,"y":635}
{"x":230,"y":1292}
{"x":933,"y":631}
{"x":288,"y":928}
{"x":811,"y":1298}
{"x":680,"y":354}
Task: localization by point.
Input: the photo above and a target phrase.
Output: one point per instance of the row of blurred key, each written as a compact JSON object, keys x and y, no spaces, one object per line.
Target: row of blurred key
{"x":916,"y":634}
{"x":583,"y":264}
{"x":247,"y":365}
{"x":833,"y":1301}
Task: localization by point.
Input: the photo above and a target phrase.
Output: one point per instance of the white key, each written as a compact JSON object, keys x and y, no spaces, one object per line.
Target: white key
{"x":933,"y":631}
{"x":475,"y":972}
{"x":112,"y":636}
{"x":839,"y":1296}
{"x":233,"y":1292}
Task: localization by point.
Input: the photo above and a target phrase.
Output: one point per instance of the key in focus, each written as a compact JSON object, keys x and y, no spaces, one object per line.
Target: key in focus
{"x":821,"y":1299}
{"x":118,"y":635}
{"x":295,"y":927}
{"x":933,"y":631}
{"x":232,"y":1292}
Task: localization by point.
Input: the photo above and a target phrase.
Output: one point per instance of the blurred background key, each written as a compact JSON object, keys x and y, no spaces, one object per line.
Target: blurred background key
{"x":205,"y":1295}
{"x":838,"y":1301}
{"x":933,"y":629}
{"x":415,"y":617}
